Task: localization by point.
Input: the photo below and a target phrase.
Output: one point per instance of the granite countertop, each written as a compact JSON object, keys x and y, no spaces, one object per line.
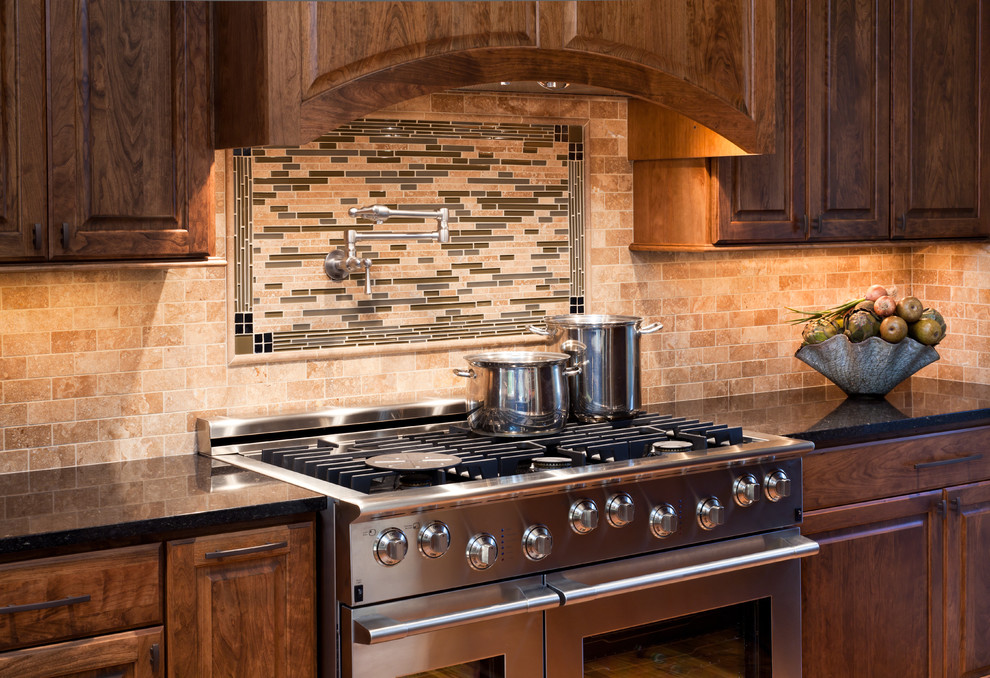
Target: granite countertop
{"x":129,"y":499}
{"x":826,"y":417}
{"x":133,"y":499}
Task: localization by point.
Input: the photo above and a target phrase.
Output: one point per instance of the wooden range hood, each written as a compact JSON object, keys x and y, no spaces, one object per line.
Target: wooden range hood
{"x":287,"y":72}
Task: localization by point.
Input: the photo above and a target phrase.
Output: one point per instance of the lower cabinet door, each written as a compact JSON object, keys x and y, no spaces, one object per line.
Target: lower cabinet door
{"x":243,"y":604}
{"x":872,"y":597}
{"x":133,"y":654}
{"x":968,"y":581}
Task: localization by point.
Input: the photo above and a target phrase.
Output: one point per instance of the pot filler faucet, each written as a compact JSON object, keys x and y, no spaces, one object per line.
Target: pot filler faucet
{"x":340,"y":264}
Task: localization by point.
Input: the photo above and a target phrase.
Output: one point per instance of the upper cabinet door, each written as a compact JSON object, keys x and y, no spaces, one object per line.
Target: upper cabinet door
{"x":23,"y":219}
{"x":761,"y":198}
{"x":130,"y":129}
{"x":941,"y":171}
{"x":849,"y":120}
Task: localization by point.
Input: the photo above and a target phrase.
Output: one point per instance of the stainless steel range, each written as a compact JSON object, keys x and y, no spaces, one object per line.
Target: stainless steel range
{"x":606,"y":546}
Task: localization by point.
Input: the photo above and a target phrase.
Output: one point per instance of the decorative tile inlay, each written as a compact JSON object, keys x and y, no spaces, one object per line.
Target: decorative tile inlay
{"x":516,"y":251}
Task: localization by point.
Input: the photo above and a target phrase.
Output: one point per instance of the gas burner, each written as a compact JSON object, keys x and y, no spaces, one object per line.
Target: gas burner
{"x":412,"y":461}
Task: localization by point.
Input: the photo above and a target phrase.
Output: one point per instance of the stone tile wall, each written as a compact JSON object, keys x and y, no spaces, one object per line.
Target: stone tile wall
{"x":99,"y":365}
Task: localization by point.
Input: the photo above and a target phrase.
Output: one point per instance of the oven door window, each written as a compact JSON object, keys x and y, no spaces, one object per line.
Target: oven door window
{"x":725,"y":643}
{"x":493,"y":667}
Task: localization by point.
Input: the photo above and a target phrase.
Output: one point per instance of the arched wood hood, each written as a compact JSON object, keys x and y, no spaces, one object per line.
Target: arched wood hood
{"x":287,"y":72}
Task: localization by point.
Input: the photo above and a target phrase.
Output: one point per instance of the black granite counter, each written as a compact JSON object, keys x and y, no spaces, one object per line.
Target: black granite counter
{"x":133,"y":499}
{"x":825,"y":416}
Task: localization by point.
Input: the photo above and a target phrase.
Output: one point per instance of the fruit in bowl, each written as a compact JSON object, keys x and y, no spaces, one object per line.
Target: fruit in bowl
{"x":877,"y":342}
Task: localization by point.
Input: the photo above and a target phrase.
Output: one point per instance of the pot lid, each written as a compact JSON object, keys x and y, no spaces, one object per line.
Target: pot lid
{"x":516,"y":358}
{"x":592,"y":319}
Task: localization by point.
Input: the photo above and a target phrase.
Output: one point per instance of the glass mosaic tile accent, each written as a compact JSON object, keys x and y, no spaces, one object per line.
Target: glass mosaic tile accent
{"x":515,"y":193}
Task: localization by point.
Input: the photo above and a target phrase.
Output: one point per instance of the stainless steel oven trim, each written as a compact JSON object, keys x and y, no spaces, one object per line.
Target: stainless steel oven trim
{"x":673,"y":567}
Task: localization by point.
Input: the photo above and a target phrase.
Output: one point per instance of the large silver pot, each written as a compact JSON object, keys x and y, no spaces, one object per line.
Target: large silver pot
{"x":517,"y":393}
{"x":607,"y":349}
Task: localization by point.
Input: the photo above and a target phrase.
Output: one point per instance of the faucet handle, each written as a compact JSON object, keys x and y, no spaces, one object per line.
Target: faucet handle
{"x":367,"y":275}
{"x":377,"y":213}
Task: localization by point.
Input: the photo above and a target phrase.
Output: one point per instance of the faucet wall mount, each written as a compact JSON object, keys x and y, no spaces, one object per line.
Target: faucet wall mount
{"x":340,"y":264}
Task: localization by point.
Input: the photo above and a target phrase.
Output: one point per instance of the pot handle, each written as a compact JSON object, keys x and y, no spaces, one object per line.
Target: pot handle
{"x":571,"y":371}
{"x":542,"y":331}
{"x":465,"y":373}
{"x":650,"y":329}
{"x":573,"y":346}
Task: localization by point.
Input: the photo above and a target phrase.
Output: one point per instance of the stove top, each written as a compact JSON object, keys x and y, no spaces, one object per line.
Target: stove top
{"x":420,"y":503}
{"x":385,"y":461}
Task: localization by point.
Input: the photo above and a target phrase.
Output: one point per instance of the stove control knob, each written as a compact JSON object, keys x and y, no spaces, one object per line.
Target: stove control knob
{"x":482,"y":551}
{"x":620,"y":510}
{"x":391,"y":547}
{"x":711,"y":513}
{"x":434,"y":540}
{"x":746,"y":490}
{"x":663,"y":521}
{"x":777,"y":485}
{"x":537,"y":542}
{"x":584,"y":516}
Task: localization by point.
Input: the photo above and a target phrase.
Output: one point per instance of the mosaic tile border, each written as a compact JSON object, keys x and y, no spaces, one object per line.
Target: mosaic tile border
{"x":457,"y":321}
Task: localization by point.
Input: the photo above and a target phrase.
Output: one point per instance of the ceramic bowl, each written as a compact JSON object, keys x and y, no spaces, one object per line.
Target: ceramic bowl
{"x":868,"y":368}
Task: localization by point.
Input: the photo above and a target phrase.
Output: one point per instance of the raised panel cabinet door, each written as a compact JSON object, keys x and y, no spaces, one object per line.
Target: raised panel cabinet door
{"x":761,"y":198}
{"x":243,"y":604}
{"x":871,"y":599}
{"x":134,"y":654}
{"x":23,"y":218}
{"x":941,"y":67}
{"x":968,"y":581}
{"x":849,"y":120}
{"x":131,"y":147}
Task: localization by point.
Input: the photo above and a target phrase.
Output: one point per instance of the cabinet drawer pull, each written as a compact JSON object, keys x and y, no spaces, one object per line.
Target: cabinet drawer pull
{"x":71,"y":600}
{"x":214,"y":555}
{"x":36,"y":236}
{"x":946,"y":462}
{"x":65,"y":236}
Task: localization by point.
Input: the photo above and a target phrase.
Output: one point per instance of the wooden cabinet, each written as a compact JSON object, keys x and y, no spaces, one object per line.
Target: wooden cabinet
{"x":880,"y":112}
{"x":123,"y":168}
{"x":75,"y":615}
{"x":900,"y":586}
{"x":134,"y":654}
{"x":967,"y":587}
{"x":868,"y":608}
{"x":23,"y":201}
{"x":941,"y":121}
{"x":289,"y":71}
{"x":243,"y":604}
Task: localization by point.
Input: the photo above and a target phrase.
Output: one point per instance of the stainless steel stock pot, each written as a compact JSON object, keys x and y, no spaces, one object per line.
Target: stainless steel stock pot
{"x":518,"y":393}
{"x":606,"y":347}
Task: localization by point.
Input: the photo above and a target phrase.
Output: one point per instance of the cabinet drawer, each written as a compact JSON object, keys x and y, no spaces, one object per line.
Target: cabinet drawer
{"x":79,"y":595}
{"x":846,"y":475}
{"x":132,"y":654}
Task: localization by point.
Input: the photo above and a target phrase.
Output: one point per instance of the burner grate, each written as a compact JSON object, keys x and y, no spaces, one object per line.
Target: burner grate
{"x":483,"y":457}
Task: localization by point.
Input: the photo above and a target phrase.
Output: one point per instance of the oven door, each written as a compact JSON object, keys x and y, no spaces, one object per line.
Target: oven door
{"x":730,"y":608}
{"x":490,"y":631}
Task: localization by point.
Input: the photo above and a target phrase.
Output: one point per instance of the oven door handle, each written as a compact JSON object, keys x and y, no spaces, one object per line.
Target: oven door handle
{"x":371,"y":627}
{"x":671,"y":567}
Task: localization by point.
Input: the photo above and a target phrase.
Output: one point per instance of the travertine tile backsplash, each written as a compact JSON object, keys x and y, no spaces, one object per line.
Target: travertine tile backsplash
{"x":99,"y":365}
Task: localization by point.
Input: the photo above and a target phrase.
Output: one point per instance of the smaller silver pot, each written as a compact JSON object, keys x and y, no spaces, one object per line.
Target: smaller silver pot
{"x":517,"y":393}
